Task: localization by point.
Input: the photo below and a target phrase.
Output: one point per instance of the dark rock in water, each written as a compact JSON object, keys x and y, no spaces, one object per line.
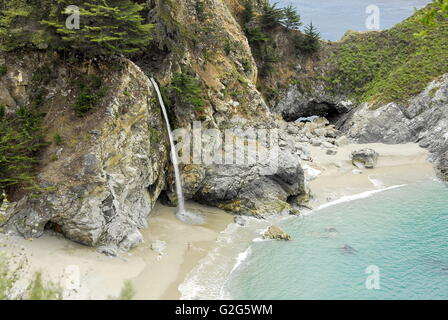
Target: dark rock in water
{"x":331,"y":229}
{"x":365,"y":158}
{"x":346,"y":249}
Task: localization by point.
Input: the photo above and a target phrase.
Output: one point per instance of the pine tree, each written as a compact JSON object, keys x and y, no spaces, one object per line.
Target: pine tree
{"x":271,"y":16}
{"x":106,"y":27}
{"x":310,"y":40}
{"x":19,"y":23}
{"x":248,"y":13}
{"x":291,"y":18}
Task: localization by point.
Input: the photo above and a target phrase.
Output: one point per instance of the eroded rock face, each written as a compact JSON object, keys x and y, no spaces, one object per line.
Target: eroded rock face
{"x":102,"y":183}
{"x":365,"y":158}
{"x":275,"y":233}
{"x":265,"y":183}
{"x":423,"y":120}
{"x":317,"y":101}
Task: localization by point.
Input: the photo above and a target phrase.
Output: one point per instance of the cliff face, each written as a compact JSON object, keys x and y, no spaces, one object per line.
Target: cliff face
{"x":101,"y":176}
{"x":424,"y":120}
{"x":100,"y":182}
{"x":385,"y":86}
{"x":104,"y":168}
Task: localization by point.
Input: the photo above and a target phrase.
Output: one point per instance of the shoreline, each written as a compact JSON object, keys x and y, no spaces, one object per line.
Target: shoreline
{"x":190,"y":250}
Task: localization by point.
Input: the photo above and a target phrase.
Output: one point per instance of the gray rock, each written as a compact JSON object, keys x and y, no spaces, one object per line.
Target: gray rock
{"x":261,"y":187}
{"x":365,"y":158}
{"x":424,"y":120}
{"x":101,"y":190}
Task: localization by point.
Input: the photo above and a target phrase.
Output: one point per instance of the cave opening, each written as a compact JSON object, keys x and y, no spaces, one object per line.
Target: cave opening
{"x":332,"y":112}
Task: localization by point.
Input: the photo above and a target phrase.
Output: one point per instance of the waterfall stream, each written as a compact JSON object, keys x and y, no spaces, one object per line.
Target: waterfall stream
{"x":182,"y":214}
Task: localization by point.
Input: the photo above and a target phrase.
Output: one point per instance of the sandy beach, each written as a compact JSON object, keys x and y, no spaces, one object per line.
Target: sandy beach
{"x":154,"y":275}
{"x":397,"y":165}
{"x":158,"y":275}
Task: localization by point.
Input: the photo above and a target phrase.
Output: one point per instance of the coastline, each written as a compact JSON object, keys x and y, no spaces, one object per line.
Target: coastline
{"x":192,"y":250}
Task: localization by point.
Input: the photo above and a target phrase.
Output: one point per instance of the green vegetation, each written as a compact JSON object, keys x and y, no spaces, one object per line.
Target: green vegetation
{"x":21,"y":137}
{"x":291,"y":19}
{"x":127,"y":292}
{"x":309,"y":41}
{"x":393,"y":65}
{"x":37,"y":289}
{"x":3,"y":70}
{"x":186,"y":91}
{"x":106,"y":28}
{"x":58,"y":140}
{"x":248,"y":12}
{"x":439,"y":8}
{"x":17,"y":29}
{"x":115,"y":27}
{"x":91,"y":91}
{"x":271,"y":16}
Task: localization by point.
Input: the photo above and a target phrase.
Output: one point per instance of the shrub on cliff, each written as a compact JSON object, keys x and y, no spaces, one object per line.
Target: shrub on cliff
{"x":291,"y":19}
{"x":309,"y":41}
{"x":271,"y":16}
{"x":185,"y":90}
{"x":106,"y":28}
{"x":19,"y":25}
{"x":393,"y":65}
{"x":21,"y":137}
{"x":438,"y":8}
{"x":38,"y":289}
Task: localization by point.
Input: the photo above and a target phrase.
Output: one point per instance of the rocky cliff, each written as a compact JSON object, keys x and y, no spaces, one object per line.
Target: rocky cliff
{"x":106,"y":159}
{"x":100,"y":182}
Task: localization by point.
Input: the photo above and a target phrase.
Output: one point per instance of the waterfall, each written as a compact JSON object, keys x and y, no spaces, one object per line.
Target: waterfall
{"x":174,"y":159}
{"x":182,"y":214}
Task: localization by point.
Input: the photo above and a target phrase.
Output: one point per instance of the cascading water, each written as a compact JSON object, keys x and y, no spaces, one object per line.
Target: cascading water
{"x":182,"y":214}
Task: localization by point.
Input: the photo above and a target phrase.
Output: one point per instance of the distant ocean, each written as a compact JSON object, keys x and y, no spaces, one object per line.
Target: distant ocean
{"x":334,"y":17}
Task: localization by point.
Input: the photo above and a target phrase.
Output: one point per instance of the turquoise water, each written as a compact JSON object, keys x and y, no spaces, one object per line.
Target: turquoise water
{"x":334,"y":17}
{"x":403,"y":232}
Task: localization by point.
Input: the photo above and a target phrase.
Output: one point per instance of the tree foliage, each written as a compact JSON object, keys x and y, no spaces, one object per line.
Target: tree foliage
{"x":186,"y":90}
{"x":309,"y":42}
{"x":21,"y":137}
{"x":106,"y":28}
{"x":271,"y":16}
{"x":291,"y":19}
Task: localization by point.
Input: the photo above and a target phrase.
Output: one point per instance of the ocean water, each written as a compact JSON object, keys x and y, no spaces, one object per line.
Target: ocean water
{"x":400,"y":235}
{"x":334,"y":17}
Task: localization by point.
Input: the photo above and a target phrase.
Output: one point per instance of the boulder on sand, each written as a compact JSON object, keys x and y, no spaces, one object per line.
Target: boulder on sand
{"x":275,"y":233}
{"x":365,"y":158}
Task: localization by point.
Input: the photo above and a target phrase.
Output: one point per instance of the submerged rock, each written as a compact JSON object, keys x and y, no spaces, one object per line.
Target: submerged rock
{"x":365,"y":158}
{"x":275,"y":233}
{"x":346,"y":249}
